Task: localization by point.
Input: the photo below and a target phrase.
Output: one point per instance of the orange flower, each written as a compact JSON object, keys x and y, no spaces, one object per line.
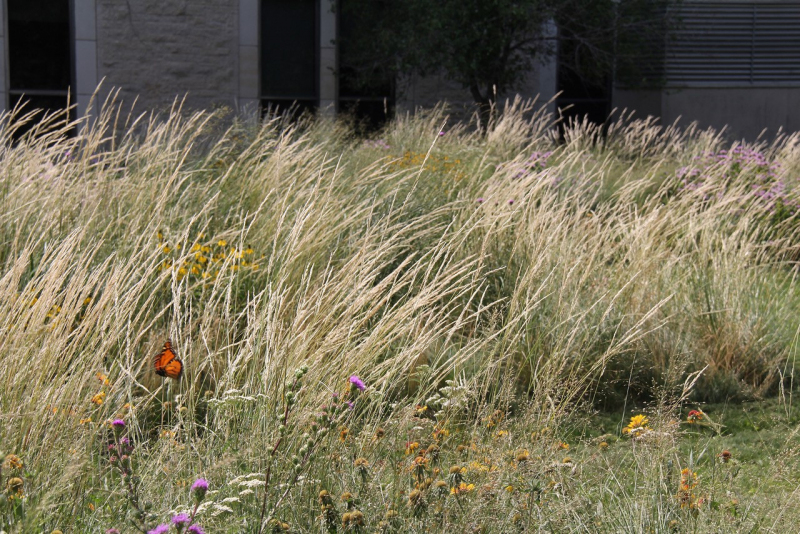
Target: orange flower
{"x":694,"y":416}
{"x":462,"y":488}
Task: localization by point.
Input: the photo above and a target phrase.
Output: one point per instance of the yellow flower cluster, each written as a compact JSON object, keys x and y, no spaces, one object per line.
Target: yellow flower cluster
{"x":206,"y":260}
{"x":462,"y":488}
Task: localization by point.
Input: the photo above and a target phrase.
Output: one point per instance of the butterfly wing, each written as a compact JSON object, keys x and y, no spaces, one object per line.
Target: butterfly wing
{"x":167,"y":362}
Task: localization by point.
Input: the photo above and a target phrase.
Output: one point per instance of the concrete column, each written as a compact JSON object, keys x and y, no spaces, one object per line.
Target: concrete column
{"x":328,"y":88}
{"x":548,"y":83}
{"x":85,"y":56}
{"x":3,"y":59}
{"x":249,"y":79}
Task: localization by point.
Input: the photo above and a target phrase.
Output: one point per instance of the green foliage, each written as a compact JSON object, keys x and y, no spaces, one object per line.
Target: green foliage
{"x":491,"y":290}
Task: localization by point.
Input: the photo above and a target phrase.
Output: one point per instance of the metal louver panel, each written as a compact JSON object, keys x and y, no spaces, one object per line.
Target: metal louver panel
{"x":735,"y":43}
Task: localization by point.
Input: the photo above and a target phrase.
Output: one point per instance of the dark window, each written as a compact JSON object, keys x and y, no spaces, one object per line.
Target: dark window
{"x":366,"y":86}
{"x":581,"y":96}
{"x":289,"y":54}
{"x":39,"y":53}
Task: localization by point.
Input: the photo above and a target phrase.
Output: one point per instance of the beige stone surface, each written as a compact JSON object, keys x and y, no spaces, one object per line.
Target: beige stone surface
{"x":159,"y":49}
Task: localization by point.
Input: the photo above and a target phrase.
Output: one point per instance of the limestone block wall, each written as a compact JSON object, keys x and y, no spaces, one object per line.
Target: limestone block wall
{"x":158,"y":49}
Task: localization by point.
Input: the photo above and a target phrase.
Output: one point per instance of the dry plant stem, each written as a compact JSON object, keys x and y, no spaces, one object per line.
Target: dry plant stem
{"x":133,"y":496}
{"x":269,"y":466}
{"x":134,"y":500}
{"x":194,"y":512}
{"x":289,"y":486}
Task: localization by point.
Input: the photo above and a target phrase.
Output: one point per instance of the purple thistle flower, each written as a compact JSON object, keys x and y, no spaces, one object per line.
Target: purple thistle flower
{"x":441,"y":133}
{"x":196,"y":529}
{"x":357,"y":383}
{"x":200,"y":484}
{"x":350,"y":404}
{"x":112,"y":531}
{"x":199,"y":488}
{"x":160,"y":529}
{"x":480,"y":200}
{"x":181,"y":520}
{"x":117,"y":426}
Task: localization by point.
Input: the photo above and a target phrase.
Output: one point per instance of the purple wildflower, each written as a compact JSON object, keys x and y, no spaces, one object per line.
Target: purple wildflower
{"x":480,"y":200}
{"x":199,"y":488}
{"x":511,"y":201}
{"x":181,"y":520}
{"x":350,"y":404}
{"x":196,"y":529}
{"x":357,"y":383}
{"x":160,"y":529}
{"x":112,"y":531}
{"x":441,"y":133}
{"x":118,"y":426}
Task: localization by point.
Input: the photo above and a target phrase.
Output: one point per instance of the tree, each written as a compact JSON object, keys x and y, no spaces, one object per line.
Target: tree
{"x":487,"y":46}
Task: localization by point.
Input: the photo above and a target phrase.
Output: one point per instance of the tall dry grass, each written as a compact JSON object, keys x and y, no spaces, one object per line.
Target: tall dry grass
{"x":586,"y":280}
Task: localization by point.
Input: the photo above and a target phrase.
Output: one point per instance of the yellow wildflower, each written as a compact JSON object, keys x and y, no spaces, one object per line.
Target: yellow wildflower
{"x":12,"y":461}
{"x":462,"y":488}
{"x":636,"y":426}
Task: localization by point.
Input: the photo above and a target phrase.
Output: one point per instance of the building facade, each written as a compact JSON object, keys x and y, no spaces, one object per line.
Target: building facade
{"x":731,"y":62}
{"x":237,"y":53}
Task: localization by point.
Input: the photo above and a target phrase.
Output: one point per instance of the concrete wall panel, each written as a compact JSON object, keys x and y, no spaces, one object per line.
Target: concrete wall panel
{"x":746,"y":111}
{"x":162,"y":49}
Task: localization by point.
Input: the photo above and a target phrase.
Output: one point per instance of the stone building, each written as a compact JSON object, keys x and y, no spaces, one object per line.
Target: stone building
{"x":733,"y":62}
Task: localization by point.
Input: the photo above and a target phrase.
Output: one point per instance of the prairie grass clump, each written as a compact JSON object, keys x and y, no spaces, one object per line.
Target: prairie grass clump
{"x":497,"y":331}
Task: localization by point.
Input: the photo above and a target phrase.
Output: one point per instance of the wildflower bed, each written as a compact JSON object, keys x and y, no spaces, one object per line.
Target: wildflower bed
{"x":432,"y":330}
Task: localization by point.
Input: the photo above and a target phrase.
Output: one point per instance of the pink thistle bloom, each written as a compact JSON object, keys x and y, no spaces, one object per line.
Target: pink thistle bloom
{"x":199,"y":488}
{"x":181,"y":519}
{"x":196,"y":529}
{"x":357,"y":383}
{"x":160,"y":529}
{"x":200,"y":484}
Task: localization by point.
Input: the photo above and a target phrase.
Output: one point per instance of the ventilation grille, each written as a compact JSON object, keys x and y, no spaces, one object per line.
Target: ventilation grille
{"x":735,"y":43}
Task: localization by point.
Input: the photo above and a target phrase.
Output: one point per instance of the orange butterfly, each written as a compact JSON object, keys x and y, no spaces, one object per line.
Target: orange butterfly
{"x":167,"y":362}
